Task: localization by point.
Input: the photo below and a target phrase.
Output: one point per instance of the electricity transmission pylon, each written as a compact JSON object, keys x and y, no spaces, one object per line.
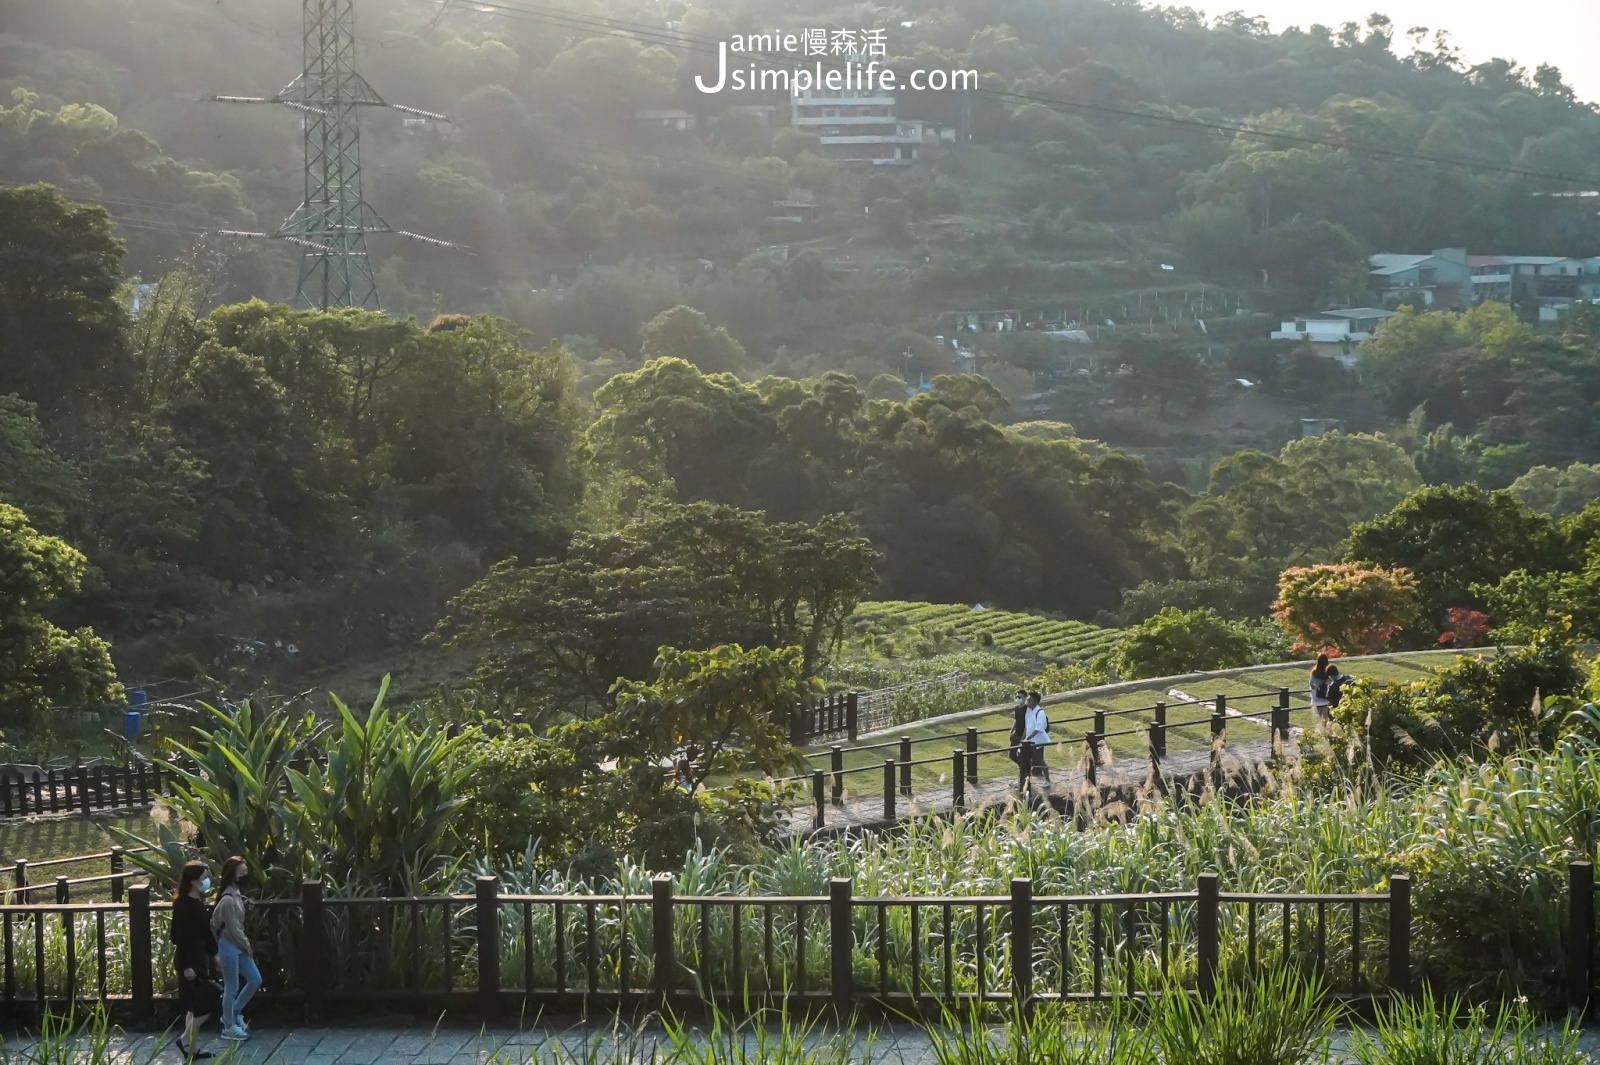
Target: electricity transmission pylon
{"x":332,"y":223}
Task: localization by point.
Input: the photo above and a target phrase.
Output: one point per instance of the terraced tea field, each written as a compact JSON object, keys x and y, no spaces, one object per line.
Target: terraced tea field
{"x":1077,"y":640}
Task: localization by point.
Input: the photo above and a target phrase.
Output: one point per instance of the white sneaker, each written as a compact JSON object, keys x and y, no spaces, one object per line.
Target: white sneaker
{"x":235,"y":1034}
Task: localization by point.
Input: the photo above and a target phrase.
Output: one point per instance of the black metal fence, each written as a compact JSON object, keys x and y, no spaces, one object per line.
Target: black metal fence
{"x":492,"y":954}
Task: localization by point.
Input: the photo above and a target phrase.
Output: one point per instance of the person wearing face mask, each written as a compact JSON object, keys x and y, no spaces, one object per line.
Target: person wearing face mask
{"x":194,"y":955}
{"x":240,"y":976}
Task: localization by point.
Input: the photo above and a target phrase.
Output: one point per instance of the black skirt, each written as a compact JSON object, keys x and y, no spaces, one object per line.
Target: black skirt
{"x":200,"y":995}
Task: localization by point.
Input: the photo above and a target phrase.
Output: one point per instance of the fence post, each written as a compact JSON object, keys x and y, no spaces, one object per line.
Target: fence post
{"x":63,"y":891}
{"x":55,"y":795}
{"x":1219,"y":717}
{"x":972,"y":755}
{"x":116,"y":867}
{"x":905,"y":766}
{"x":1158,"y":732}
{"x":841,"y":944}
{"x":819,"y":797}
{"x":20,"y":874}
{"x":314,"y":960}
{"x":1022,"y":942}
{"x":1208,"y":923}
{"x":1280,"y":717}
{"x":661,"y":934}
{"x":888,"y":789}
{"x":83,"y":788}
{"x":5,"y":796}
{"x":488,"y":891}
{"x":797,"y":727}
{"x":1580,"y":935}
{"x":852,"y":717}
{"x":1100,"y":721}
{"x":144,"y":785}
{"x":958,"y":779}
{"x":1400,"y":933}
{"x":141,"y":986}
{"x":836,"y":763}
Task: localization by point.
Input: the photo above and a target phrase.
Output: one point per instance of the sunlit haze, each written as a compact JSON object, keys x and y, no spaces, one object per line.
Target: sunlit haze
{"x":1562,"y":32}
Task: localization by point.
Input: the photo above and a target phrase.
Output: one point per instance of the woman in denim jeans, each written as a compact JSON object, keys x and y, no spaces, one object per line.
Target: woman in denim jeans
{"x":240,"y":977}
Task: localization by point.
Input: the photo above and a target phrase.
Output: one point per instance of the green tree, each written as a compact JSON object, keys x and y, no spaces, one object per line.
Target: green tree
{"x":1175,"y":641}
{"x":558,"y":635}
{"x":61,"y":342}
{"x":1452,"y":539}
{"x":1558,"y":492}
{"x":34,"y":478}
{"x":724,"y":710}
{"x":42,"y":666}
{"x":684,"y":333}
{"x":1344,"y":608}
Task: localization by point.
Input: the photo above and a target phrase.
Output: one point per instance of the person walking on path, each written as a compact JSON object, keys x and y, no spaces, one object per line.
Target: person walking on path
{"x":1036,"y":729}
{"x":1321,"y":691}
{"x":194,"y":955}
{"x":1019,"y":726}
{"x":240,"y":976}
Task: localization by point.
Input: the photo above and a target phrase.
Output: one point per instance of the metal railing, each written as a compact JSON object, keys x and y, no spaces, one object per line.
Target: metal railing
{"x":492,"y":954}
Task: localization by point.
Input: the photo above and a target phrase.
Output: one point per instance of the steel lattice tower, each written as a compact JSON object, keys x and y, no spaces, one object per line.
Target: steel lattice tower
{"x":332,"y":222}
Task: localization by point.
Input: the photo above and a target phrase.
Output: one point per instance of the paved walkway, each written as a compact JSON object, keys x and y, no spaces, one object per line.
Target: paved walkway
{"x":890,"y":1045}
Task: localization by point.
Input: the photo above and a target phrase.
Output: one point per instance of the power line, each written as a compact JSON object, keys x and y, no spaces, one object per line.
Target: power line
{"x":333,"y":221}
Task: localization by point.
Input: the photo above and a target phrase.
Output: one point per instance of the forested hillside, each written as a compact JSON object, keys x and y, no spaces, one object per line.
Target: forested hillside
{"x":606,"y":422}
{"x":585,"y":224}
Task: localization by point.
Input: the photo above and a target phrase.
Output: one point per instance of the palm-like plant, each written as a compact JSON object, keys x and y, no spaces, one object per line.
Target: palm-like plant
{"x":380,"y":809}
{"x":232,"y":791}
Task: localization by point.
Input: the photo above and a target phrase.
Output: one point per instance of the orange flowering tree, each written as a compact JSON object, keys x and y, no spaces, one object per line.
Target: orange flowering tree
{"x":1344,"y":608}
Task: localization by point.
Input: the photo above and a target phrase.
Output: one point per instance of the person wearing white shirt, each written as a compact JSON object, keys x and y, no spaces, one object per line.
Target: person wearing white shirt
{"x":1036,"y":733}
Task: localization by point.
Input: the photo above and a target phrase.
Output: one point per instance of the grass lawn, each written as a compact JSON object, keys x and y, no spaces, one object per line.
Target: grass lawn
{"x":38,"y":839}
{"x":1072,"y":717}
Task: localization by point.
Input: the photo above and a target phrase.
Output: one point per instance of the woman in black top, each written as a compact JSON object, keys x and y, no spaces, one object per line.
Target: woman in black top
{"x":194,"y":955}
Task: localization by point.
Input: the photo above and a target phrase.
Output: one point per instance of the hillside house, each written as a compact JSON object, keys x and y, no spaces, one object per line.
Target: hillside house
{"x":1335,"y":333}
{"x":1443,"y":278}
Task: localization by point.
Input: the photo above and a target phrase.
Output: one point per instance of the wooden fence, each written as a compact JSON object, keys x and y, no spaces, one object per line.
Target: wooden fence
{"x":494,"y":955}
{"x":828,"y":783}
{"x":81,"y":788}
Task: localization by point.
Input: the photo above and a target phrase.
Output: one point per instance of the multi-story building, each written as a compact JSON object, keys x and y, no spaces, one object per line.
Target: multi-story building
{"x":859,"y":125}
{"x":1449,"y":277}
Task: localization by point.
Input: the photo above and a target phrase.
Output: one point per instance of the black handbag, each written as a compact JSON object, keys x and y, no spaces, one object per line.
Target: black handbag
{"x":200,"y":995}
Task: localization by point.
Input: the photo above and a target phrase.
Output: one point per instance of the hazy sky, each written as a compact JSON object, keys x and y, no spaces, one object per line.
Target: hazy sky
{"x":1563,"y":32}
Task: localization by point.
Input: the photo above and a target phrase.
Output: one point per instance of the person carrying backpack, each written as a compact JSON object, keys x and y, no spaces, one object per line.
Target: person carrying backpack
{"x":1036,"y":734}
{"x":1337,"y":683}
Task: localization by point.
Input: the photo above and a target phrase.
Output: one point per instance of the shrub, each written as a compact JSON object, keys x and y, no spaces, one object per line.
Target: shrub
{"x":1475,"y":705}
{"x":1177,"y":642}
{"x":1275,"y":1019}
{"x":1348,"y":608}
{"x":1058,"y":677}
